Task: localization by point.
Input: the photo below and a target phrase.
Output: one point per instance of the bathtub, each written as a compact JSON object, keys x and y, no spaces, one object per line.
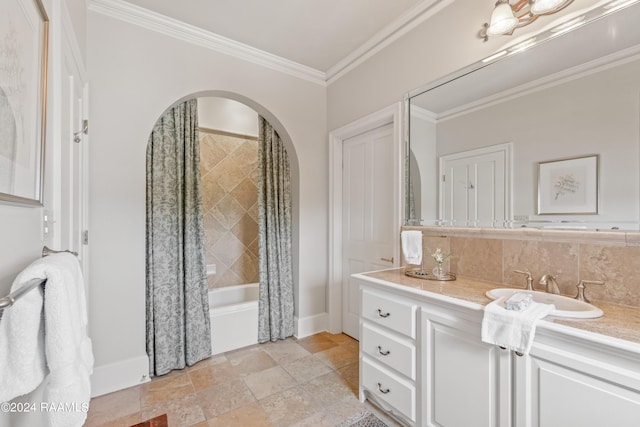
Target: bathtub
{"x":234,"y":317}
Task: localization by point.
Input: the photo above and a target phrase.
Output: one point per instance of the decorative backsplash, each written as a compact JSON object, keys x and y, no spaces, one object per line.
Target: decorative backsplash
{"x":492,"y":255}
{"x":229,"y":171}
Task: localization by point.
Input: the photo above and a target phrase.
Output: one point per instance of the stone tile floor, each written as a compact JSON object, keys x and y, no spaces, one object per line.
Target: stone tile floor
{"x":308,"y":382}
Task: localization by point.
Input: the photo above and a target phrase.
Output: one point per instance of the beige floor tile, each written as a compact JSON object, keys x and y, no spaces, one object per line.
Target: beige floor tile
{"x":165,"y":389}
{"x":112,"y":406}
{"x":307,"y":368}
{"x":319,"y":419}
{"x":289,"y":407}
{"x":316,"y":343}
{"x":344,"y":409}
{"x":126,"y":421}
{"x":181,"y":412}
{"x":285,"y":351}
{"x":248,"y":415}
{"x":351,"y":374}
{"x":224,"y":398}
{"x":337,"y":338}
{"x":211,"y":361}
{"x":328,"y":389}
{"x":338,"y":357}
{"x":213,"y":375}
{"x":250,"y":360}
{"x":268,"y":382}
{"x":307,"y":382}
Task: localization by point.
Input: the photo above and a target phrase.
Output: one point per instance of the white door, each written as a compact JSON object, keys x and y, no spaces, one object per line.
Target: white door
{"x":368,"y":224}
{"x":70,"y":175}
{"x":475,"y":187}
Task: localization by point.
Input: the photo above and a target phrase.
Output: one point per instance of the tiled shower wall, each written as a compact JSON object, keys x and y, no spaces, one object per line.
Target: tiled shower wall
{"x":492,"y":255}
{"x":229,"y":171}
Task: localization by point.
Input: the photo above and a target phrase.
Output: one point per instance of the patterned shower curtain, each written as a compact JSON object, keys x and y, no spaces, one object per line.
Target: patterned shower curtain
{"x":275,"y":307}
{"x":178,"y":329}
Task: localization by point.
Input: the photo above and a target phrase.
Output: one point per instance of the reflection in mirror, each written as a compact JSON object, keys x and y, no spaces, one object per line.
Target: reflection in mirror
{"x":478,"y":138}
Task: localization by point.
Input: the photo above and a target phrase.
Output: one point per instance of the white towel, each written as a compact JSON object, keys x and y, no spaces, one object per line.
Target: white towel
{"x":68,"y":353}
{"x":412,"y":246}
{"x":22,"y":360}
{"x":512,"y":329}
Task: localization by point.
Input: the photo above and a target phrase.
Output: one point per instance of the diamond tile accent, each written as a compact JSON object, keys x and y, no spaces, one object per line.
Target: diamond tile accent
{"x":229,"y":174}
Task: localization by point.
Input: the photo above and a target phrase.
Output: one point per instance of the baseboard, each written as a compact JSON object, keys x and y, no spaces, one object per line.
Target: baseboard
{"x":120,"y":375}
{"x":310,"y":325}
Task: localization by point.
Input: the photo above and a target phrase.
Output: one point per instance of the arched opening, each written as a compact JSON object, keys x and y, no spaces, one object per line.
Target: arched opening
{"x":228,"y":144}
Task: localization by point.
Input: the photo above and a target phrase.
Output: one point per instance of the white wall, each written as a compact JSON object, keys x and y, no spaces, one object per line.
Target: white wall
{"x":21,"y":234}
{"x":135,"y":75}
{"x":227,"y":115}
{"x":21,"y":227}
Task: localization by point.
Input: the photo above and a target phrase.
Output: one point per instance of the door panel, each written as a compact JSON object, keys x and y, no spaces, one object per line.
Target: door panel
{"x":368,"y":212}
{"x":475,"y":187}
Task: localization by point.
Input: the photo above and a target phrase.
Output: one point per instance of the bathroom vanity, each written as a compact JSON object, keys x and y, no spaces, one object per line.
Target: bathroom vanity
{"x":422,"y":360}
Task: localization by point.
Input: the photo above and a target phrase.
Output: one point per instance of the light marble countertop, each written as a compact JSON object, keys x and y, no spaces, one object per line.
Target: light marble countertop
{"x":619,"y":322}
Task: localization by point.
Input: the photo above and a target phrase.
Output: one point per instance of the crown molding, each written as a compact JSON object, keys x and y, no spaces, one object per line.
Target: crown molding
{"x":383,"y":38}
{"x":150,"y":20}
{"x":153,"y":21}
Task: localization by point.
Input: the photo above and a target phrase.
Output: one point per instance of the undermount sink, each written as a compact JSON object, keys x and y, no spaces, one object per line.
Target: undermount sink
{"x":565,"y":306}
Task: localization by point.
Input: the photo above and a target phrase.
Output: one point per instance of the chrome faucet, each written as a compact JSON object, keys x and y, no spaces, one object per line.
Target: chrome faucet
{"x":551,"y":284}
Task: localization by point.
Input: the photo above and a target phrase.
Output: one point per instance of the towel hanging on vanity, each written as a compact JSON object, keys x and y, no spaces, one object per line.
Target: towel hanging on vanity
{"x":511,"y":328}
{"x":412,"y":246}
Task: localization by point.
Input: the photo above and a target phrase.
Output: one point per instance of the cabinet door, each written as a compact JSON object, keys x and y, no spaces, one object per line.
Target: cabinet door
{"x":561,"y":388}
{"x":467,"y":382}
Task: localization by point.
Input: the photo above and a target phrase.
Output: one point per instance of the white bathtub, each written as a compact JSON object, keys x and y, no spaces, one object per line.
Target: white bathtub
{"x":234,"y":317}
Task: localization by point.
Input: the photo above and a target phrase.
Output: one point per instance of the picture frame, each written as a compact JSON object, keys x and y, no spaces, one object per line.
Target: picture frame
{"x":24,"y":39}
{"x":568,"y":186}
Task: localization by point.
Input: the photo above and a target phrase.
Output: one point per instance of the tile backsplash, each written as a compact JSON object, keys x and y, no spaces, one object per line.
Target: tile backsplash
{"x":493,"y":255}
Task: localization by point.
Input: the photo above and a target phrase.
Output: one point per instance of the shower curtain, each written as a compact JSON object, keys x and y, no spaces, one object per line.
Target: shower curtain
{"x":275,"y":304}
{"x":178,"y":329}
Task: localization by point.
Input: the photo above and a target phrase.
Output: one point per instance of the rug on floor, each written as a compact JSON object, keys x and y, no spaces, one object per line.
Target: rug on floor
{"x":364,"y":419}
{"x":160,"y":421}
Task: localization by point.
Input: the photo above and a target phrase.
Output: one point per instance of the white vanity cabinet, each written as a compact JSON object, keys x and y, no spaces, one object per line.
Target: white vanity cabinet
{"x":568,"y":381}
{"x":466,"y":382}
{"x":388,"y":365}
{"x":422,"y":359}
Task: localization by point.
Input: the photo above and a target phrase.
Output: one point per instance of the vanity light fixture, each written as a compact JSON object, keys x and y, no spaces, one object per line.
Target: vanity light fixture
{"x":506,"y":17}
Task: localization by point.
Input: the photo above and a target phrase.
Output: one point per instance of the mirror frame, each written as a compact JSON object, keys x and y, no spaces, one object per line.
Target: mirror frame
{"x":598,"y":12}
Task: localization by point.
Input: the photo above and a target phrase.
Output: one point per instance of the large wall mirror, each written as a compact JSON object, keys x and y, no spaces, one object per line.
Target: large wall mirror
{"x":545,"y":136}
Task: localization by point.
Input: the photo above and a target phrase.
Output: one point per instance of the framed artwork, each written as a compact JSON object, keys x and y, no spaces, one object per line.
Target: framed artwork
{"x":24,"y":28}
{"x":568,"y":186}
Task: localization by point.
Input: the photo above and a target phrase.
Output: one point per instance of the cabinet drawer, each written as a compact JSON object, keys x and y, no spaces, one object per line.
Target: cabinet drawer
{"x":389,"y":388}
{"x":389,"y":350}
{"x":389,"y":311}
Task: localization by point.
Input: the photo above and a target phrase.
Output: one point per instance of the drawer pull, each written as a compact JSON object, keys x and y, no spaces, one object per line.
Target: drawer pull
{"x":383,"y":391}
{"x":381,"y":314}
{"x":519,"y":354}
{"x":383,"y":353}
{"x":502,"y":347}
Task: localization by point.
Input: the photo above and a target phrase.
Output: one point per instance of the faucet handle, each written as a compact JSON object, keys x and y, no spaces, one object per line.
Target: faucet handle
{"x":582,"y":287}
{"x":527,"y":273}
